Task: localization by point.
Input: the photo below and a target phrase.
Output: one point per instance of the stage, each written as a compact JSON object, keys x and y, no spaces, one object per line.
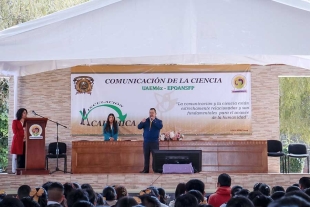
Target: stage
{"x":135,"y":182}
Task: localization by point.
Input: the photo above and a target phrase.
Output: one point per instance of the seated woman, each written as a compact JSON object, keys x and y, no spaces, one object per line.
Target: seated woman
{"x":110,"y":129}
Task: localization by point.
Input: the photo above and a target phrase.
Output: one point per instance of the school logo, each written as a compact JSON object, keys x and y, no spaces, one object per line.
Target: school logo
{"x":239,"y":82}
{"x":83,"y":84}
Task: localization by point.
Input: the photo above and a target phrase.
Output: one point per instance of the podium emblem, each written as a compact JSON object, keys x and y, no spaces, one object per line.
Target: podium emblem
{"x":35,"y":130}
{"x":83,"y":84}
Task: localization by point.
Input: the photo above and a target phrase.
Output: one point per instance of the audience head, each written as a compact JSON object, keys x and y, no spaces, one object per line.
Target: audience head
{"x":239,"y":201}
{"x":56,"y":192}
{"x":23,"y":191}
{"x":186,"y":200}
{"x":46,"y":185}
{"x":299,"y":194}
{"x":262,"y":201}
{"x":76,"y":186}
{"x":197,"y":195}
{"x":99,"y":200}
{"x":11,"y":202}
{"x":277,"y":195}
{"x":109,"y":193}
{"x":162,"y":195}
{"x":180,"y":189}
{"x":256,"y":186}
{"x":68,"y":188}
{"x":195,"y":184}
{"x":126,"y":201}
{"x":292,"y":188}
{"x":254,"y":194}
{"x":243,"y":192}
{"x":91,"y":195}
{"x":28,"y":202}
{"x":121,"y":191}
{"x":235,"y":189}
{"x":290,"y":201}
{"x":307,"y":191}
{"x":264,"y":189}
{"x":150,"y":201}
{"x":276,"y":189}
{"x":304,"y":183}
{"x":224,"y":180}
{"x":83,"y":204}
{"x":77,"y":195}
{"x":86,"y":186}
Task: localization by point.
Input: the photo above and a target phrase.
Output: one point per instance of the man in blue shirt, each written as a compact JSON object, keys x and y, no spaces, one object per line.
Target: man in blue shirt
{"x":151,"y":131}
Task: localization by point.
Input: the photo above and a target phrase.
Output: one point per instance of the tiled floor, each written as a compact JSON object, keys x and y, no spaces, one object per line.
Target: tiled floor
{"x":137,"y":182}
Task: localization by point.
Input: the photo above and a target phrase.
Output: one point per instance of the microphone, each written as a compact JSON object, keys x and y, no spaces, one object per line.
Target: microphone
{"x":34,"y":113}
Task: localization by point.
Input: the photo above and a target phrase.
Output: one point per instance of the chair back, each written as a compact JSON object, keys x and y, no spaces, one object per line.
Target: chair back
{"x":297,"y":149}
{"x":53,"y":146}
{"x":274,"y":146}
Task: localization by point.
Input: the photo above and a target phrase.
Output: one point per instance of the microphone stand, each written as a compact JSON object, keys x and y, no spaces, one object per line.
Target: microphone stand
{"x":57,"y":148}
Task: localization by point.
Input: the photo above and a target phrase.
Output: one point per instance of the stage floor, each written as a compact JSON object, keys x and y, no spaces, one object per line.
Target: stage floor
{"x":136,"y":182}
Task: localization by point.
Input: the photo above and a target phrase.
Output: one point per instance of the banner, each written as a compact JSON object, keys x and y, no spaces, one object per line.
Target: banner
{"x":192,"y":100}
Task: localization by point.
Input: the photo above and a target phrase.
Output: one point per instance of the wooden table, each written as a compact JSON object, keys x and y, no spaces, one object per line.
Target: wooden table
{"x":127,"y":156}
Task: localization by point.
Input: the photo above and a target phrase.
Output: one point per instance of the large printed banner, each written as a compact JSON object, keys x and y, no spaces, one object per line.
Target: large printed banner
{"x":189,"y":99}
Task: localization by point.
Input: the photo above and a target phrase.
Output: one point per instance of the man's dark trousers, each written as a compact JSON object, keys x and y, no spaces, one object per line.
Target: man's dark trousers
{"x":148,"y":147}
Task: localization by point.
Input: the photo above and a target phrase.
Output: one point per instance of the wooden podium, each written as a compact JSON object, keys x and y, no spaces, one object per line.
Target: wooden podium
{"x":35,"y":147}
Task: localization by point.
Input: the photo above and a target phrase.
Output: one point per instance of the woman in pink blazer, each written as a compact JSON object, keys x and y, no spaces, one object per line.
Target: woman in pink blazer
{"x":18,"y":142}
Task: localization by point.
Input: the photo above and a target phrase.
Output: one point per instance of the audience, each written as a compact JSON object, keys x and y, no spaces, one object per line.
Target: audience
{"x":77,"y":195}
{"x":291,"y":201}
{"x":23,"y":191}
{"x":222,"y":194}
{"x":239,"y":201}
{"x":292,"y":188}
{"x":277,"y":195}
{"x":68,"y":188}
{"x":55,"y":193}
{"x":11,"y":202}
{"x":243,"y":192}
{"x":121,"y":191}
{"x":82,"y":203}
{"x":195,"y":184}
{"x":150,"y":201}
{"x":256,"y":186}
{"x":162,"y":194}
{"x":304,"y":183}
{"x":197,"y":195}
{"x":126,"y":201}
{"x":28,"y":202}
{"x":191,"y":194}
{"x":235,"y":189}
{"x":180,"y":189}
{"x":262,"y":201}
{"x":254,"y":194}
{"x":109,"y":195}
{"x":264,"y":189}
{"x":307,"y":191}
{"x":186,"y":200}
{"x":276,"y":189}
